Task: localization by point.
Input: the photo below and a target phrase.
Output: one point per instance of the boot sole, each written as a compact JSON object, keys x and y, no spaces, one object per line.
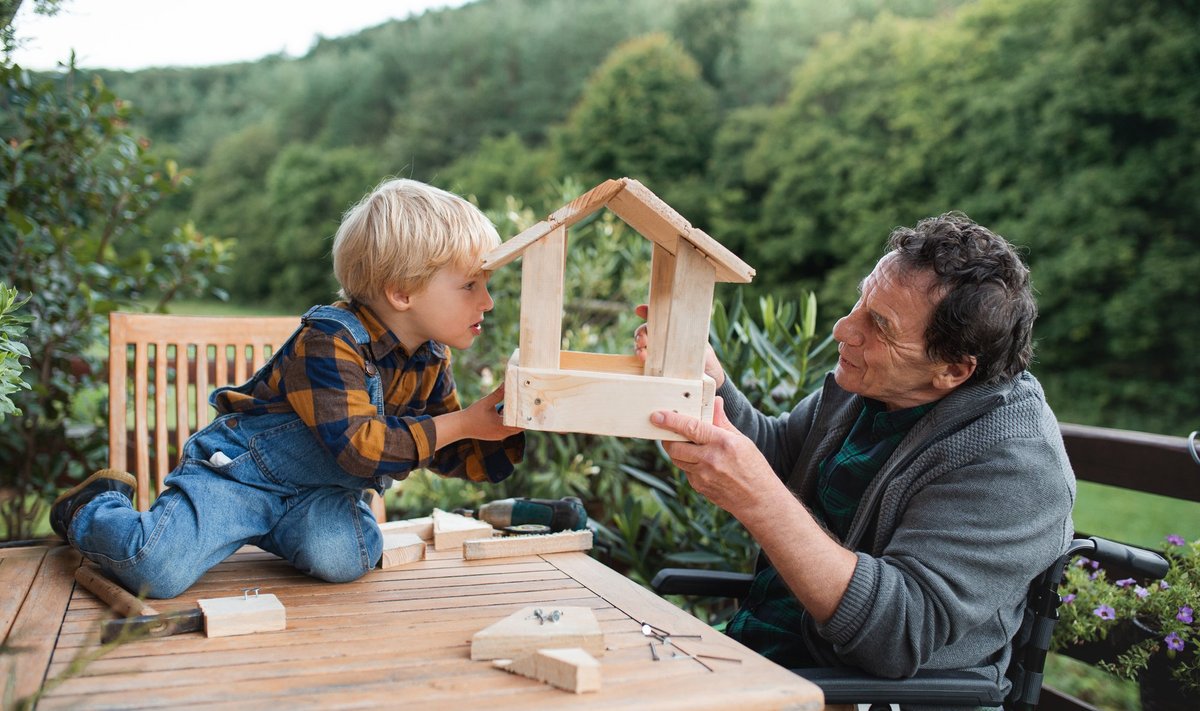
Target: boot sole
{"x":113,"y":474}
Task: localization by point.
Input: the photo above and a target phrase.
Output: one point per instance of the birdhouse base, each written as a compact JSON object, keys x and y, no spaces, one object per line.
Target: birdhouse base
{"x":596,"y":393}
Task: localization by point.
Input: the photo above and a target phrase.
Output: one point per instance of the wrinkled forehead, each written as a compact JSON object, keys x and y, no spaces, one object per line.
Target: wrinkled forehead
{"x":919,"y":282}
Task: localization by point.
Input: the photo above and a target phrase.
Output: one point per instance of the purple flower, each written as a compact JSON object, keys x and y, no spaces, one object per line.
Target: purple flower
{"x":1124,"y":582}
{"x":1105,"y":612}
{"x":1094,"y":563}
{"x":1176,"y":540}
{"x":1164,"y":585}
{"x":1068,"y":598}
{"x":1185,"y":614}
{"x":1081,"y":562}
{"x":1140,"y":591}
{"x":1094,"y":575}
{"x":1173,"y":641}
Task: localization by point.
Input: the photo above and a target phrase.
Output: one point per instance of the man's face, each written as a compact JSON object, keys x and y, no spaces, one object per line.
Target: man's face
{"x":882,"y":341}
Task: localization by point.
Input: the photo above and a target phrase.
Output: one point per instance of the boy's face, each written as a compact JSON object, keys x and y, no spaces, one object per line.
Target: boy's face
{"x":449,"y":310}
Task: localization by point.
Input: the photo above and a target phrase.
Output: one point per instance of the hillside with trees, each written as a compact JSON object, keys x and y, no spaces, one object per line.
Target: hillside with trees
{"x":797,"y":132}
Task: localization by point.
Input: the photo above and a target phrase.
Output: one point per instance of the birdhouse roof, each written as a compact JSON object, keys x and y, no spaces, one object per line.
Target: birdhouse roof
{"x":642,"y":210}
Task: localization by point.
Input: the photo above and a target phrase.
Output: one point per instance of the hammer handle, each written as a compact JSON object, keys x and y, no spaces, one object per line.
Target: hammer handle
{"x":117,"y":597}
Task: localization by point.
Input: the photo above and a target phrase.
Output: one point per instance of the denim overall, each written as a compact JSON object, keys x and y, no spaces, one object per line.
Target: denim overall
{"x":262,"y":480}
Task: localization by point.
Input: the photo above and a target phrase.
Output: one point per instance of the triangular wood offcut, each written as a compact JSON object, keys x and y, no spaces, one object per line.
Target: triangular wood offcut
{"x":572,"y":668}
{"x":523,"y":633}
{"x":450,"y":530}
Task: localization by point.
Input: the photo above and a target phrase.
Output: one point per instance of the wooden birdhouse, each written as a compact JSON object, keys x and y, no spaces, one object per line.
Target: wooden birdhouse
{"x":547,"y":388}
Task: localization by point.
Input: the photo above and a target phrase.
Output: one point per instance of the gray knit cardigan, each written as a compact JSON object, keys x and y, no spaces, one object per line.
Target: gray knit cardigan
{"x":973,"y":504}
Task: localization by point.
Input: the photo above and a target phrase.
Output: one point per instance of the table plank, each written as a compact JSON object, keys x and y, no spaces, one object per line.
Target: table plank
{"x":18,"y":567}
{"x":36,"y":627}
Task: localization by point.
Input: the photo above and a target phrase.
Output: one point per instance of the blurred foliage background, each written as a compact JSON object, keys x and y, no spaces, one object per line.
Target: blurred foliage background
{"x":796,"y":132}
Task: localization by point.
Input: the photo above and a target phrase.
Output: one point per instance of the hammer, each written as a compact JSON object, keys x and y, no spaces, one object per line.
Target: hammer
{"x":136,"y":617}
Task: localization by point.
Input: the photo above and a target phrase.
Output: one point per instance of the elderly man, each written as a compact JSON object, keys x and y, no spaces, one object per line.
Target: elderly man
{"x":904,"y":508}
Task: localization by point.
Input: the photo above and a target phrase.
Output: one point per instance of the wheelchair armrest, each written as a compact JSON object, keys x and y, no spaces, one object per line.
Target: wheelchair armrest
{"x":710,"y":583}
{"x":934,"y":688}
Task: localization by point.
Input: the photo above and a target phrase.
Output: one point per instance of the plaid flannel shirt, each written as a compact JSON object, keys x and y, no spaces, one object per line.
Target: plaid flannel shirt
{"x":769,"y":620}
{"x":321,"y":376}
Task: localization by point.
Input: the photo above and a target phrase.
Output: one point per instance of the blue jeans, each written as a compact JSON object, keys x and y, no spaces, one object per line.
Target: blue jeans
{"x":273,"y":485}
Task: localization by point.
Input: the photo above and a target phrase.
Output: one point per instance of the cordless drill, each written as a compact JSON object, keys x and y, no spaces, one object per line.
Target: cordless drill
{"x":565,"y":514}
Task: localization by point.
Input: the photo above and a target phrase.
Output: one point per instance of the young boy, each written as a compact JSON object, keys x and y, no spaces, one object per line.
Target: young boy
{"x":362,"y":393}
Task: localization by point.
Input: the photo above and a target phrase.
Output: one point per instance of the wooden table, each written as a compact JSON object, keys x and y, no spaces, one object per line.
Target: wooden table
{"x":398,"y":638}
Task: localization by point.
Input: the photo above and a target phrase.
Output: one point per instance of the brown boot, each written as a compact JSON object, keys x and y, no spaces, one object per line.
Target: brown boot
{"x":64,"y":507}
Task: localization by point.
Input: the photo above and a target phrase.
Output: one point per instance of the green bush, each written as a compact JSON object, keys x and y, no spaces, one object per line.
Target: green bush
{"x":75,"y":187}
{"x":11,"y":349}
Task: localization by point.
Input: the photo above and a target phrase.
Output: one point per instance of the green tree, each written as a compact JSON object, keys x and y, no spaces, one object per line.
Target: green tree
{"x":646,"y":113}
{"x":308,"y":189}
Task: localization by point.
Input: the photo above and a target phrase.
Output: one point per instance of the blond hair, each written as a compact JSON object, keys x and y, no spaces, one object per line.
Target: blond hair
{"x":402,"y":233}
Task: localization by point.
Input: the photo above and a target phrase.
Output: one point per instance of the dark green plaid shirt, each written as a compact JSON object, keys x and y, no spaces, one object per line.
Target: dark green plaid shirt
{"x":769,"y":619}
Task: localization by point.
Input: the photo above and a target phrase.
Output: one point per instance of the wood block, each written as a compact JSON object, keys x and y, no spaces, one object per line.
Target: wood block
{"x":600,"y":403}
{"x":508,"y":546}
{"x":420,"y":527}
{"x":451,"y":530}
{"x":228,"y":616}
{"x":521,"y":633}
{"x":401,"y":549}
{"x":571,"y":668}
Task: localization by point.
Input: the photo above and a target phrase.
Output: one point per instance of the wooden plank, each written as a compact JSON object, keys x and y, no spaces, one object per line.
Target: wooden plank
{"x":658,"y":312}
{"x":516,"y":246}
{"x":650,"y":216}
{"x":655,"y":213}
{"x":35,"y":630}
{"x":587,"y":203}
{"x":542,"y":301}
{"x":506,"y":547}
{"x":118,"y":357}
{"x":564,"y":217}
{"x":691,"y":306}
{"x":729,"y":267}
{"x":18,"y":569}
{"x":619,"y":363}
{"x":598,"y":403}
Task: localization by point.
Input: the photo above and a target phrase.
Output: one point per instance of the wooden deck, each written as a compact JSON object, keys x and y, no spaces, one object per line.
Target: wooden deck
{"x":397,"y":638}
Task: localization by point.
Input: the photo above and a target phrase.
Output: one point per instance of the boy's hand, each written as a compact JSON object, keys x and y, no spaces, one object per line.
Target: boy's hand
{"x":482,"y":420}
{"x":641,"y":339}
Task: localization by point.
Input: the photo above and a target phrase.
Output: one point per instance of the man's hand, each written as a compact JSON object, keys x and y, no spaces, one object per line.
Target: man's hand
{"x":641,"y":340}
{"x":725,"y":466}
{"x":720,"y":462}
